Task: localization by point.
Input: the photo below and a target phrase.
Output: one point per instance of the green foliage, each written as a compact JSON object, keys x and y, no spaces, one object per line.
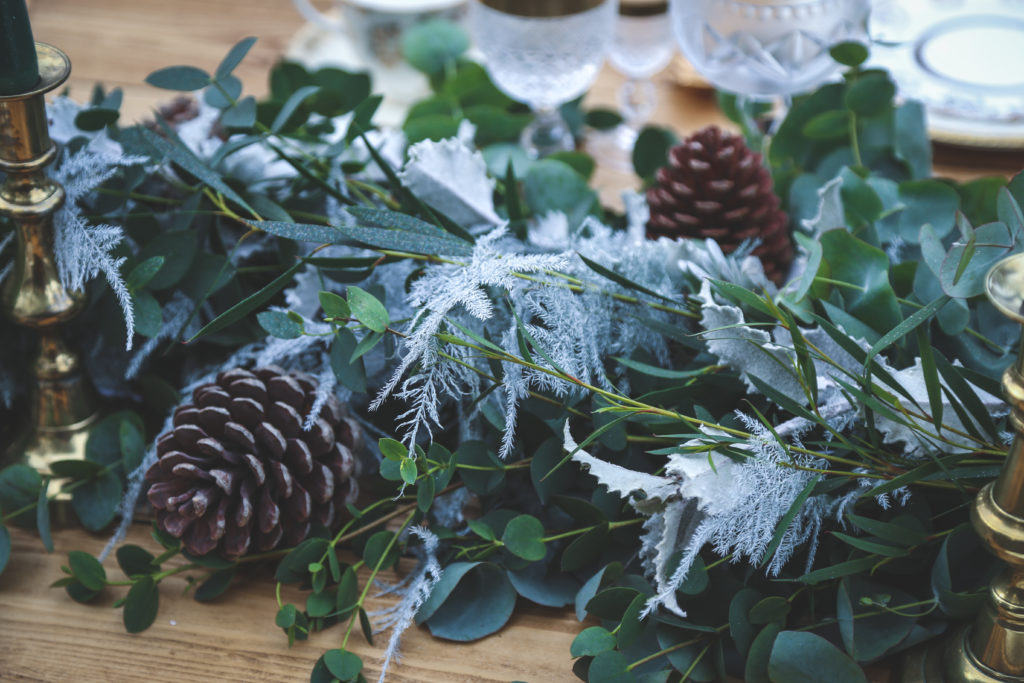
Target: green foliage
{"x":895,"y":268}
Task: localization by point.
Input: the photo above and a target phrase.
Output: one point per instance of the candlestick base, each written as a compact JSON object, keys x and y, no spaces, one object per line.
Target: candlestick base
{"x":63,"y":404}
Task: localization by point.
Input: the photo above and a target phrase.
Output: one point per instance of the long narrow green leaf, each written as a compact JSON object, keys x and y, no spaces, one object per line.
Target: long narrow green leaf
{"x":591,"y":438}
{"x":181,"y":155}
{"x":395,"y":220}
{"x":234,"y":57}
{"x":839,"y":570}
{"x":291,"y":105}
{"x":43,"y":516}
{"x":620,"y":279}
{"x":906,"y":327}
{"x":931,"y":378}
{"x":915,"y":475}
{"x":249,"y":304}
{"x":742,"y":295}
{"x":869,"y":546}
{"x":655,"y":371}
{"x":803,"y":356}
{"x":393,"y":239}
{"x":966,"y":394}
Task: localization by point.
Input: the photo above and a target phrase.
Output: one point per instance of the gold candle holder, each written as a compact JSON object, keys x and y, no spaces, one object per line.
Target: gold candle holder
{"x":991,"y":650}
{"x":63,"y":405}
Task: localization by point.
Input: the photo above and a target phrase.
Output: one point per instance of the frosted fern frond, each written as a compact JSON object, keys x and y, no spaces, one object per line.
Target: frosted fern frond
{"x":176,"y":314}
{"x":443,"y":291}
{"x":415,"y":590}
{"x":83,"y":250}
{"x":566,"y":310}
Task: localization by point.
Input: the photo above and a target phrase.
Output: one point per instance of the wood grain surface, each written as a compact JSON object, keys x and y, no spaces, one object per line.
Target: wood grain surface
{"x":45,"y":636}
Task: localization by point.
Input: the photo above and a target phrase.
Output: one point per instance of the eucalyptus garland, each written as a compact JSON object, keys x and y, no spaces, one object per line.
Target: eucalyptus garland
{"x":733,"y":478}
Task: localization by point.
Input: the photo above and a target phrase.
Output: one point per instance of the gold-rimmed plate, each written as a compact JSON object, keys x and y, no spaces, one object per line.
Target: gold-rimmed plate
{"x":963,"y":61}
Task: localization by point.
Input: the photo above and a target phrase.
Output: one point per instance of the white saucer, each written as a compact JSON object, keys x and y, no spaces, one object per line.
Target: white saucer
{"x":964,"y":59}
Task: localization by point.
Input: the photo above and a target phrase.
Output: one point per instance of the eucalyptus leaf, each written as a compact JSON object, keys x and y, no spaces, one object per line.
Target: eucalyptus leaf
{"x":803,"y":657}
{"x":5,"y":547}
{"x":472,"y":600}
{"x":141,"y":605}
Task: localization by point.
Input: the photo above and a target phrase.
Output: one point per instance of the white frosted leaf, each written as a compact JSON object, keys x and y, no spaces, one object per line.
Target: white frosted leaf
{"x":451,"y":177}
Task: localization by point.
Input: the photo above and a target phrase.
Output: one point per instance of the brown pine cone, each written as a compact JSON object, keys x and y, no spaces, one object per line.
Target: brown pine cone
{"x":715,"y":186}
{"x":238,"y":472}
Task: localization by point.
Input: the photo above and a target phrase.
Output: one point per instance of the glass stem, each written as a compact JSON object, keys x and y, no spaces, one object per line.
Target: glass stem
{"x":547,"y":134}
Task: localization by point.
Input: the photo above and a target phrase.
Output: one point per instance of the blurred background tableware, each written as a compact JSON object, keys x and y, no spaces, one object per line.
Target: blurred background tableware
{"x":375,"y":27}
{"x":963,"y":60}
{"x":642,"y":47}
{"x":366,"y":35}
{"x":766,"y":50}
{"x":543,"y":53}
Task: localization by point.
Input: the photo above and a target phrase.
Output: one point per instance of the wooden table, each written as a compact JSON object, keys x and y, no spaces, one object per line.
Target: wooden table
{"x":44,"y":636}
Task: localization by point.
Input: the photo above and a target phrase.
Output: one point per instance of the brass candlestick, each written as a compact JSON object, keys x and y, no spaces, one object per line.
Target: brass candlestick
{"x":992,"y":649}
{"x":63,"y":404}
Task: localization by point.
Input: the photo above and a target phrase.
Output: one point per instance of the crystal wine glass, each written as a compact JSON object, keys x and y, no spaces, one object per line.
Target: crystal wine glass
{"x":766,"y":49}
{"x":642,"y":47}
{"x":544,"y":53}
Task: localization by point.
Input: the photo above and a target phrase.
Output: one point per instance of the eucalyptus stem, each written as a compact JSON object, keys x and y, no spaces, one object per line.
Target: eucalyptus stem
{"x":373,"y":575}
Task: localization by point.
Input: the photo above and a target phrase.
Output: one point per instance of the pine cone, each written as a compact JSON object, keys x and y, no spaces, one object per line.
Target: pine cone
{"x":238,"y":471}
{"x":715,"y":186}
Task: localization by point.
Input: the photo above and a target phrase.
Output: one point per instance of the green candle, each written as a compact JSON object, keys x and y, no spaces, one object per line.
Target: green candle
{"x":19,"y":71}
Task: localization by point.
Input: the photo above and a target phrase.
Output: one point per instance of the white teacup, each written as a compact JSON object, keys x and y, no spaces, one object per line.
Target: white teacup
{"x":375,"y":27}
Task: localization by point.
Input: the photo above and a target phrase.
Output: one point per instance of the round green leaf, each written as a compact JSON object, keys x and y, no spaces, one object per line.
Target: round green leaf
{"x":554,"y":186}
{"x":472,"y":600}
{"x":544,"y":585}
{"x":592,"y":641}
{"x":178,"y":249}
{"x":286,"y":616}
{"x":849,"y":53}
{"x":829,"y":125}
{"x":740,"y":628}
{"x":523,"y":536}
{"x":869,"y":94}
{"x":768,"y":610}
{"x":803,"y":657}
{"x":96,"y":501}
{"x":215,"y":585}
{"x":19,"y":488}
{"x":279,"y":324}
{"x":377,"y":553}
{"x":334,"y":306}
{"x":343,"y":664}
{"x":141,"y":605}
{"x":367,"y":309}
{"x":135,"y":560}
{"x":148,"y":315}
{"x":756,"y":669}
{"x":431,"y":46}
{"x":87,"y":569}
{"x":611,"y":666}
{"x":592,"y":585}
{"x":651,"y":150}
{"x":407,"y":469}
